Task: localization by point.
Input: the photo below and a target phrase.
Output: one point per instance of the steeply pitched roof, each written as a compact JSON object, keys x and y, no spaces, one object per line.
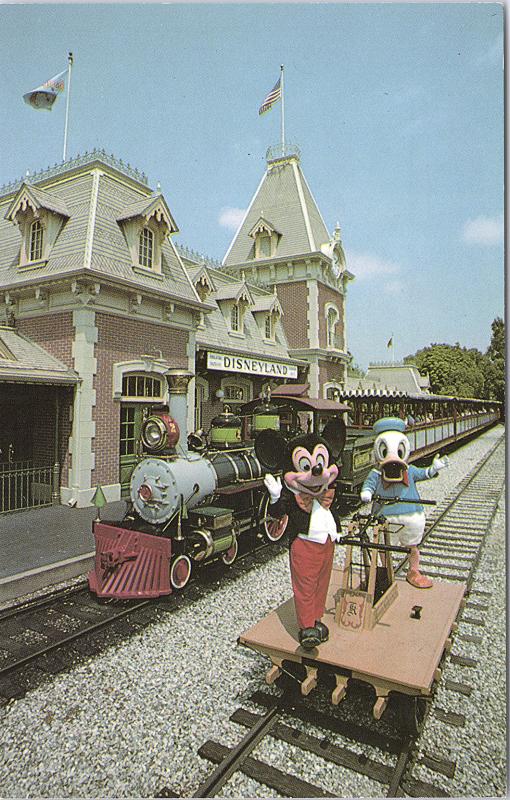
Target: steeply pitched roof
{"x":284,"y":200}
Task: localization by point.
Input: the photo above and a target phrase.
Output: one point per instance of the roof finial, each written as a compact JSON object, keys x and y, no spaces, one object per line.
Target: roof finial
{"x":338,"y":232}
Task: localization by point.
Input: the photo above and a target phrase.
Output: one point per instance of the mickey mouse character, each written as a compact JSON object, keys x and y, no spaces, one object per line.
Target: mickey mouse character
{"x":306,"y":498}
{"x":392,"y":478}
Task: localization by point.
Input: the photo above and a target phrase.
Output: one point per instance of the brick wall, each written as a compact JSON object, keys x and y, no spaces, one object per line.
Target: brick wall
{"x":294,"y":300}
{"x":329,"y":372}
{"x":54,"y":332}
{"x":121,"y":339}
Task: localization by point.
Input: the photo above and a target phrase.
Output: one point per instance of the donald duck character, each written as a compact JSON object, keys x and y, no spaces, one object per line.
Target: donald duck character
{"x":393,"y":478}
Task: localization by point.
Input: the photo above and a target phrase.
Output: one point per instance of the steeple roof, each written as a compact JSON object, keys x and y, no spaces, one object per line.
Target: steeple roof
{"x":284,"y":200}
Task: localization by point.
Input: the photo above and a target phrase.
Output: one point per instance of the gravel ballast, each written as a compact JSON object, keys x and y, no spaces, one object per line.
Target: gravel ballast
{"x":129,"y":721}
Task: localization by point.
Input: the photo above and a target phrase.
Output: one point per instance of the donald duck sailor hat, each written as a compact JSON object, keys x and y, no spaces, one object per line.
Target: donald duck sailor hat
{"x":389,"y":424}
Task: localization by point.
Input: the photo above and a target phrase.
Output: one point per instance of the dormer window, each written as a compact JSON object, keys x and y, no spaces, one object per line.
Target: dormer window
{"x":269,"y":329}
{"x":146,"y":224}
{"x":266,"y":238}
{"x":39,"y":216}
{"x":146,"y":248}
{"x":36,"y":241}
{"x":235,"y":318}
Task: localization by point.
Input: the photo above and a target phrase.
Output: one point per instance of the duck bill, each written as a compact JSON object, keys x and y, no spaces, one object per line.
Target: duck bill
{"x":393,"y":470}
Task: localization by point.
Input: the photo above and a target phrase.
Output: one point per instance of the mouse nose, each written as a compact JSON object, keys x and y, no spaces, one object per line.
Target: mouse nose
{"x":317,"y":470}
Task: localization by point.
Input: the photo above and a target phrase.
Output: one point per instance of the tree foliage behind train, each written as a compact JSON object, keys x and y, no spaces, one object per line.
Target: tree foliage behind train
{"x":465,"y":372}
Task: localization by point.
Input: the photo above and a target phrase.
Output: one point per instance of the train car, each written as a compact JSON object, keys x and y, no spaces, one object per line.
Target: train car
{"x":191,"y":508}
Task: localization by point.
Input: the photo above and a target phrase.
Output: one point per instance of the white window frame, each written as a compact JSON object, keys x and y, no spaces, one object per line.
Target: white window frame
{"x":36,"y":241}
{"x":146,"y":248}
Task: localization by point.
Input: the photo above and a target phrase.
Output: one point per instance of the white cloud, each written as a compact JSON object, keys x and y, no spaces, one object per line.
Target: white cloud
{"x":231,"y":218}
{"x":483,"y":230}
{"x":366,"y":265}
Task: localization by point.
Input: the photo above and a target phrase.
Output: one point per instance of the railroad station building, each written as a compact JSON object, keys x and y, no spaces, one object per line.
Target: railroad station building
{"x":102,"y":315}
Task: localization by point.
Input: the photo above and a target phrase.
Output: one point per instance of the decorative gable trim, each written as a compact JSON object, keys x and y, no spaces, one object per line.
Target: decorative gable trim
{"x":32,"y":206}
{"x":264,"y":234}
{"x":149,"y":218}
{"x":155,"y":208}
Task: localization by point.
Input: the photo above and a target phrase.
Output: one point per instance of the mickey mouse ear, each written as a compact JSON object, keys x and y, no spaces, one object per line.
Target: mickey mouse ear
{"x":334,"y":433}
{"x":270,"y":449}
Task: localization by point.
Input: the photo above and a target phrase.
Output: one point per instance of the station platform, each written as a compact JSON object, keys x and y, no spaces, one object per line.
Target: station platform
{"x":45,"y":546}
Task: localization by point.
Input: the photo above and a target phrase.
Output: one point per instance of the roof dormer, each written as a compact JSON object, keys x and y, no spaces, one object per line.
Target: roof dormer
{"x":266,"y":238}
{"x":233,"y":300}
{"x":203,"y":283}
{"x":146,"y":224}
{"x":40,"y":217}
{"x":267,"y":311}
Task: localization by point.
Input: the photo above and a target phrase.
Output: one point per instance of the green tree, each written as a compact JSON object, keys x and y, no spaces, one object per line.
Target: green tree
{"x":452,"y":369}
{"x":494,"y":368}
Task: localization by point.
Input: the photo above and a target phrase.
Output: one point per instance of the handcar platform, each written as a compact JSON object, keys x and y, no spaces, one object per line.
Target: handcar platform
{"x":401,"y":653}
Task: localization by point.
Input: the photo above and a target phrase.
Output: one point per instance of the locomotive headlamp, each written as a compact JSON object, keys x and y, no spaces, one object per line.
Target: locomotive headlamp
{"x":154,"y":433}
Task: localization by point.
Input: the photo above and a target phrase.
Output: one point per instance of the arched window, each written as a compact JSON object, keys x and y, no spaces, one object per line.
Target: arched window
{"x":146,"y":248}
{"x":332,"y":319}
{"x":36,"y":240}
{"x":141,"y":387}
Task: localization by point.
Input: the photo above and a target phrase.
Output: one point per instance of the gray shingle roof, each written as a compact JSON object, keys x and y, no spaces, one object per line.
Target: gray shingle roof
{"x":30,"y":363}
{"x":91,"y":240}
{"x":285,"y":201}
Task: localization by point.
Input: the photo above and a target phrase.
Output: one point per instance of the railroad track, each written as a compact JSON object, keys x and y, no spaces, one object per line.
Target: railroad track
{"x":451,"y":550}
{"x":50,"y":634}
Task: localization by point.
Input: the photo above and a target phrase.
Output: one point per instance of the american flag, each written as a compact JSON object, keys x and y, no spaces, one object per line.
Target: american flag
{"x":273,"y":96}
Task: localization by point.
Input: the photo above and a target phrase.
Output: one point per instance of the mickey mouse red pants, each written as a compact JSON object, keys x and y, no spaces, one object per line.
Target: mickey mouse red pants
{"x":310,"y":571}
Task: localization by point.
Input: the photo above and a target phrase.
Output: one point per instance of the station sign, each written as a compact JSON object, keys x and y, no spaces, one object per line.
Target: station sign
{"x":250,"y":366}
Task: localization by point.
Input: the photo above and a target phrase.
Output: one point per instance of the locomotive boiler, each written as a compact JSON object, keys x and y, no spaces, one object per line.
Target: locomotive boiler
{"x":186,"y":509}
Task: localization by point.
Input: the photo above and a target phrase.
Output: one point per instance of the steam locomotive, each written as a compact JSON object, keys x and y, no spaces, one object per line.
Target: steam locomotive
{"x":192,"y":508}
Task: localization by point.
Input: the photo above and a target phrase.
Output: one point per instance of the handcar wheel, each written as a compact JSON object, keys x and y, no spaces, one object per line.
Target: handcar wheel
{"x":230,"y":555}
{"x":411,"y":714}
{"x":180,"y":572}
{"x":273,"y":528}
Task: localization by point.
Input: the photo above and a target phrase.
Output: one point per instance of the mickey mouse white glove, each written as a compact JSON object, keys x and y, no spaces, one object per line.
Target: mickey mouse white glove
{"x":366,"y":496}
{"x":273,"y":486}
{"x":440,"y":463}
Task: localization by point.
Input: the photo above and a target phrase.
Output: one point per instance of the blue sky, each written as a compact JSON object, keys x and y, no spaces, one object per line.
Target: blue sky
{"x":397,"y":110}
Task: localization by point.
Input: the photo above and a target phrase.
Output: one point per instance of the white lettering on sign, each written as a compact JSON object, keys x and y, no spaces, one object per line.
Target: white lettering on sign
{"x":251,"y":366}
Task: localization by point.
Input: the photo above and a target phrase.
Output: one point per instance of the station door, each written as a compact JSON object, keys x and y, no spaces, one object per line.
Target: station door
{"x":131,"y":418}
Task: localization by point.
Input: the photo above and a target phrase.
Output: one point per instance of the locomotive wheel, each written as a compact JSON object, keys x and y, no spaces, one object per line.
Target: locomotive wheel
{"x":273,"y":528}
{"x":180,"y":572}
{"x":411,"y":713}
{"x":230,"y":555}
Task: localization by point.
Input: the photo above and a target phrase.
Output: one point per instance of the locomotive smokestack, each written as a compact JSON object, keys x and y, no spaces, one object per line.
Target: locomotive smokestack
{"x":178,"y":380}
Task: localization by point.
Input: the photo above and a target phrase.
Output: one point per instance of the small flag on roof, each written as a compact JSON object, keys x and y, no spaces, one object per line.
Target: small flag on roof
{"x":390,"y":343}
{"x":45,"y":95}
{"x":272,"y":98}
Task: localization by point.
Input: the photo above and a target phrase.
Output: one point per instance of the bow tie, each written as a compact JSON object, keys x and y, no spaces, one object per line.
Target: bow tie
{"x":389,"y":484}
{"x":305,"y":501}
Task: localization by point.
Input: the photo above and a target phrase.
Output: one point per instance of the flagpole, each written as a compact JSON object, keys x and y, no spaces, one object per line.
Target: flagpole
{"x":283,"y":110}
{"x":69,"y":69}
